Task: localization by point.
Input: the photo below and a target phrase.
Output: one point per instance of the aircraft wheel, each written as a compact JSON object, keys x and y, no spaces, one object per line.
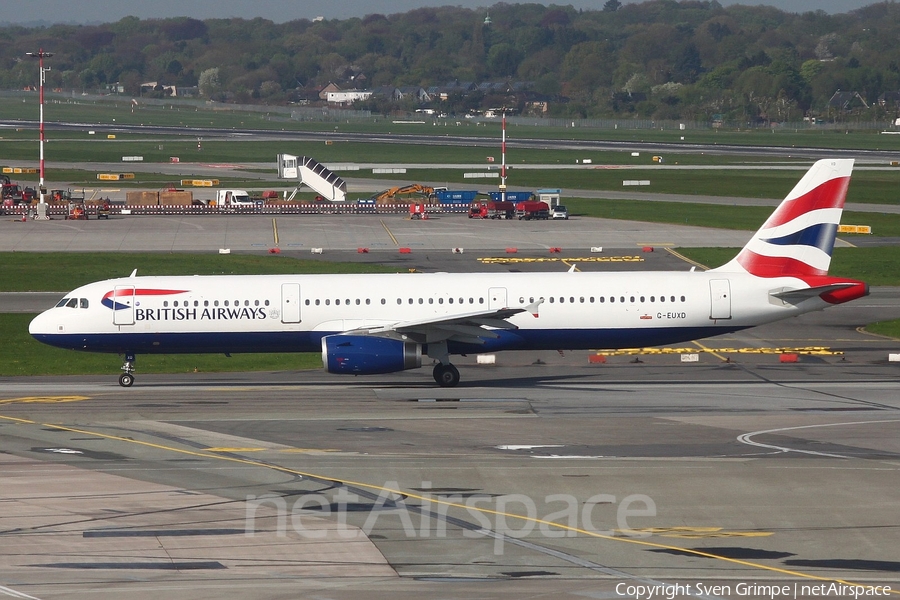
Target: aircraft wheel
{"x":446,"y":375}
{"x":126,"y":379}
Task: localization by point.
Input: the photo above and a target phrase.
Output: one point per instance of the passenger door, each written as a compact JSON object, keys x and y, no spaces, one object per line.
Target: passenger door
{"x":123,"y":305}
{"x":720,"y":299}
{"x":497,"y":299}
{"x":290,"y":302}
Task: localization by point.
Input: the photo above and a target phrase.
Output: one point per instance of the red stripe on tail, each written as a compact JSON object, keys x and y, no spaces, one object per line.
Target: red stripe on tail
{"x":830,"y":194}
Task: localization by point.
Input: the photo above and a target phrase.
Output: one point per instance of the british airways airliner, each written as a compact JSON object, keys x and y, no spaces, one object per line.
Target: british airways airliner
{"x":367,"y":324}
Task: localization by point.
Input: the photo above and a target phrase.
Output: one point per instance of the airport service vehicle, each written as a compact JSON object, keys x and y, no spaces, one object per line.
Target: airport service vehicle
{"x":532,"y":209}
{"x":234,"y":198}
{"x":367,"y":324}
{"x":491,"y":210}
{"x":12,"y":193}
{"x":559,"y":212}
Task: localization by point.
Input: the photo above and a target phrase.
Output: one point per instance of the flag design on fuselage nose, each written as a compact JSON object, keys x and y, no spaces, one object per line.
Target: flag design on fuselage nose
{"x":109,"y":297}
{"x":798,"y":239}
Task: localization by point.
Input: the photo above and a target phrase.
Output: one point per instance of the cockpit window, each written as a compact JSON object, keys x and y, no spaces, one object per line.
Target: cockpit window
{"x":62,"y":302}
{"x":72,"y":303}
{"x":82,"y":303}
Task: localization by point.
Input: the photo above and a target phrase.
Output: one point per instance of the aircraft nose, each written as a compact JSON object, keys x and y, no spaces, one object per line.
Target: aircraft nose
{"x":43,"y":324}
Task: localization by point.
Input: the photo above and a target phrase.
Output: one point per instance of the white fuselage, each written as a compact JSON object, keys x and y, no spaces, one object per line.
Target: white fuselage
{"x":279,"y":313}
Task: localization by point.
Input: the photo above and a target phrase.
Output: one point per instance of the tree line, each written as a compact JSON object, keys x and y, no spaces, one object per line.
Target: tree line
{"x":661,"y":59}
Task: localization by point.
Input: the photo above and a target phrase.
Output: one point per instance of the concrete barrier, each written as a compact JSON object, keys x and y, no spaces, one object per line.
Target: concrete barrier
{"x":486,"y":359}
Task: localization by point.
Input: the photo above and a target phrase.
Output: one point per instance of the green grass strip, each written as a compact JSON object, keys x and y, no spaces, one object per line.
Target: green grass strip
{"x":63,"y":271}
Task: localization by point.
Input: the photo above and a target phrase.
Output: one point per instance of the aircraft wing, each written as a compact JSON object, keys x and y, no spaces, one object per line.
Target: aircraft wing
{"x":469,"y":328}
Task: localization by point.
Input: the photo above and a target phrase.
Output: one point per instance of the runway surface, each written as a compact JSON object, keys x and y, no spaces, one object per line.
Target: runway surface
{"x":542,"y":476}
{"x":555,"y":479}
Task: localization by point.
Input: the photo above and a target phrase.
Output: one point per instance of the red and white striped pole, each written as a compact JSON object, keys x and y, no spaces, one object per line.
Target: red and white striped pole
{"x":503,"y":162}
{"x":40,"y":55}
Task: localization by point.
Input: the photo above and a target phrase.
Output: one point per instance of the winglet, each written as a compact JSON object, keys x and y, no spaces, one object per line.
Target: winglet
{"x":133,"y":274}
{"x":533,"y":307}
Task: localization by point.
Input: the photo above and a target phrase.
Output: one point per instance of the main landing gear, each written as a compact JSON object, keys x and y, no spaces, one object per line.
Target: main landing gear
{"x":446,"y":375}
{"x":126,"y":379}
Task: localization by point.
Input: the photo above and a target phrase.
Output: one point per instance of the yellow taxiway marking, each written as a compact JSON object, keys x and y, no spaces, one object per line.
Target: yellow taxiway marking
{"x":393,"y":239}
{"x":504,"y":260}
{"x":440,"y":501}
{"x":571,"y":265}
{"x":43,"y":399}
{"x":681,"y":256}
{"x":236,"y":449}
{"x":694,"y":533}
{"x":714,"y":353}
{"x":805,"y":350}
{"x":308,"y":450}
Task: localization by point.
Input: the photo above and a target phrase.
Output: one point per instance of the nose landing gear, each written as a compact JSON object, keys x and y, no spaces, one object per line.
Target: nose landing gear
{"x":126,"y":379}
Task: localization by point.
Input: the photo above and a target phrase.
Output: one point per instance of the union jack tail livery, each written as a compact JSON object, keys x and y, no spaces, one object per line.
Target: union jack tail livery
{"x":797,"y":240}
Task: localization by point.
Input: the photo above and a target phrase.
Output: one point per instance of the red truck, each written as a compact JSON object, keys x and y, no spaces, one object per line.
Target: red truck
{"x":483,"y":209}
{"x":532,"y":209}
{"x":12,"y":194}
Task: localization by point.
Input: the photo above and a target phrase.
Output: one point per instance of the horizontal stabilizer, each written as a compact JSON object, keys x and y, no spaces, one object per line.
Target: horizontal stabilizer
{"x":798,"y":296}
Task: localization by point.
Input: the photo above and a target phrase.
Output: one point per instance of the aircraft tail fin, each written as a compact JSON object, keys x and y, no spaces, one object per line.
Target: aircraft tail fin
{"x":798,"y":238}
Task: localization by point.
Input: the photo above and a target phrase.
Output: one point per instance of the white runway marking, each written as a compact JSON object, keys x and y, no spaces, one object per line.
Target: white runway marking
{"x":10,"y":592}
{"x":745,"y":438}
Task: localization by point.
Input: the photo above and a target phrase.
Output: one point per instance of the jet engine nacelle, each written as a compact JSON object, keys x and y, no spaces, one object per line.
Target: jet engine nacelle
{"x":369,"y":355}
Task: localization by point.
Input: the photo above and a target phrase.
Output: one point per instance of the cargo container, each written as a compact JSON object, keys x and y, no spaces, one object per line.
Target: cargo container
{"x":511,"y":196}
{"x":456,"y":196}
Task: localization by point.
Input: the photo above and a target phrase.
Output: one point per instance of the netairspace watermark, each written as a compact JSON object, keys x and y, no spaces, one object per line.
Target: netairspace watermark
{"x":637,"y":591}
{"x":427,"y":515}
